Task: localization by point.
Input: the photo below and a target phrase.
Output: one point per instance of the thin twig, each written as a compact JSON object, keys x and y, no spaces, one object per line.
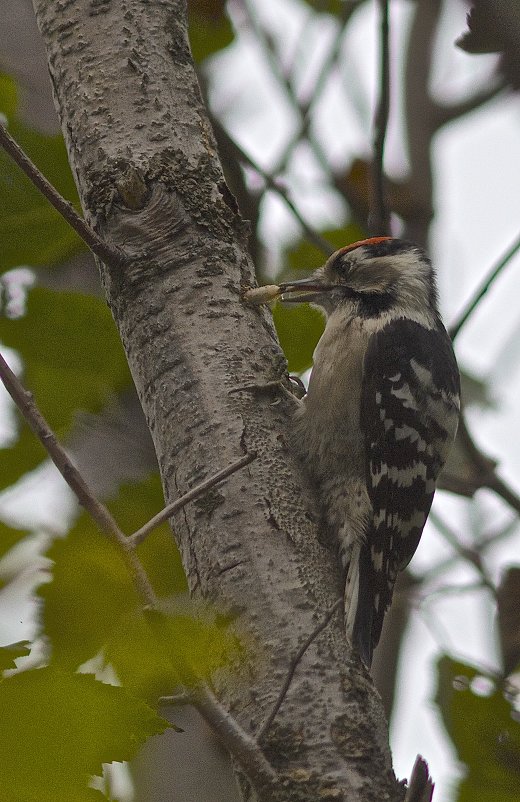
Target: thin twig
{"x":311,"y":233}
{"x":101,"y":515}
{"x":378,"y":222}
{"x":483,"y":288}
{"x":108,"y":254}
{"x":175,"y":700}
{"x":138,"y":536}
{"x":446,"y":590}
{"x":266,"y":726}
{"x":481,"y":545}
{"x":470,"y":555}
{"x":302,"y":108}
{"x":503,"y":490}
{"x":239,"y":743}
{"x":421,"y":785}
{"x":444,"y":113}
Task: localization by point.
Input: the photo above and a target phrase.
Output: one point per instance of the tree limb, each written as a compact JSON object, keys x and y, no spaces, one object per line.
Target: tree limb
{"x":189,"y":340}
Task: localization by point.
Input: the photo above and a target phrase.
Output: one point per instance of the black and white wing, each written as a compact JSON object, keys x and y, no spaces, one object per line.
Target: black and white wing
{"x":409,"y":415}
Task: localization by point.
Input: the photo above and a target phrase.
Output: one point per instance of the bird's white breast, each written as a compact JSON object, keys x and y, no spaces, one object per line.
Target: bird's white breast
{"x":327,"y":425}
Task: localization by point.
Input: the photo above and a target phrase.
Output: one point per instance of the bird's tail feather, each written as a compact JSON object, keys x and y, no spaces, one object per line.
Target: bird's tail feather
{"x":359,"y":604}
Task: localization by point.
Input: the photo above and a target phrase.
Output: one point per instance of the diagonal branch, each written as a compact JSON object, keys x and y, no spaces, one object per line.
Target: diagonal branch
{"x":101,"y":515}
{"x":312,"y":235}
{"x":140,"y":535}
{"x":106,"y":253}
{"x":444,"y":113}
{"x":484,"y":287}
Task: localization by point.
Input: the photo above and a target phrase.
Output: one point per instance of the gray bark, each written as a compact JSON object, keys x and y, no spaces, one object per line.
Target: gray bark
{"x":149,"y":178}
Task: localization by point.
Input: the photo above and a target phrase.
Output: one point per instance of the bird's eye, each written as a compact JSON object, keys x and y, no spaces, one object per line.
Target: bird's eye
{"x":341,"y":265}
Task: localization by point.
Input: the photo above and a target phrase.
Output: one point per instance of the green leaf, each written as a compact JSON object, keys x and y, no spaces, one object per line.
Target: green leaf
{"x":134,"y":506}
{"x":32,"y":232}
{"x":73,"y":360}
{"x":196,"y":644}
{"x":334,"y":7}
{"x":8,"y":96}
{"x":154,"y":652}
{"x":141,"y":661}
{"x":299,"y":329}
{"x":90,"y":592}
{"x":209,"y":28}
{"x":484,"y":729}
{"x":9,"y":654}
{"x":9,"y":537}
{"x":58,"y":728}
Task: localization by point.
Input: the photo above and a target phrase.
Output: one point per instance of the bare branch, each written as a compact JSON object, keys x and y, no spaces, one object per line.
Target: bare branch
{"x":481,"y":545}
{"x":138,"y":536}
{"x":101,"y":515}
{"x":446,"y":113}
{"x":421,"y":785}
{"x":378,"y":220}
{"x":241,"y":745}
{"x":271,"y":182}
{"x":470,"y":555}
{"x":303,"y":108}
{"x":108,"y":254}
{"x":266,"y":726}
{"x":484,"y":287}
{"x":504,"y":491}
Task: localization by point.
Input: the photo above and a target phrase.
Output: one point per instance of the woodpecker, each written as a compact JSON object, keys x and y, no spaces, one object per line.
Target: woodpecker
{"x":379,"y":417}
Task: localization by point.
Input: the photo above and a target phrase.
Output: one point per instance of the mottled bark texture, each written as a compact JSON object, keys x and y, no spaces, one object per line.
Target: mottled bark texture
{"x":149,"y":178}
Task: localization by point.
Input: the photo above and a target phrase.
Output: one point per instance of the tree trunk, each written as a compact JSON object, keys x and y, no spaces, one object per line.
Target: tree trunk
{"x":148,"y":174}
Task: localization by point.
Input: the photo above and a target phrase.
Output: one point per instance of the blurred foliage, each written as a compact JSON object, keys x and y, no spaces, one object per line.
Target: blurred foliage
{"x":334,"y":7}
{"x":209,"y":28}
{"x":9,"y":654}
{"x":299,"y":328}
{"x":91,"y":589}
{"x":32,"y":232}
{"x":485,"y":730}
{"x":59,"y":340}
{"x":9,"y":537}
{"x":58,"y":728}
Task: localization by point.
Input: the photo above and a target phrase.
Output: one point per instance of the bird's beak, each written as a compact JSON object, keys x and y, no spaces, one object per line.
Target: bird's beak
{"x":307,"y":289}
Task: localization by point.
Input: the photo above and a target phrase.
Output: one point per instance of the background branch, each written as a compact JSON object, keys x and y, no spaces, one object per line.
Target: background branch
{"x":379,"y":219}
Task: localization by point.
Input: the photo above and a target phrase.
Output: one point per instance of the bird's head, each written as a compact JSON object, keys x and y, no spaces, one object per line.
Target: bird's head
{"x":377,"y":275}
